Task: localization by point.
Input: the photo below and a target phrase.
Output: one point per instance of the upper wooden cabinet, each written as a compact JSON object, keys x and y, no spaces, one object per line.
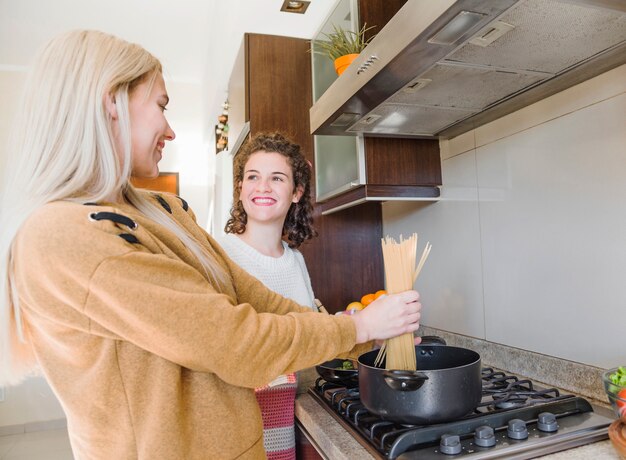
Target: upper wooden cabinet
{"x":377,"y":13}
{"x":271,"y":87}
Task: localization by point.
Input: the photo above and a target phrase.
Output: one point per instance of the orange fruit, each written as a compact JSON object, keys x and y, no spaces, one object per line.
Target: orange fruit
{"x":355,"y":306}
{"x":379,"y":293}
{"x":367,"y":299}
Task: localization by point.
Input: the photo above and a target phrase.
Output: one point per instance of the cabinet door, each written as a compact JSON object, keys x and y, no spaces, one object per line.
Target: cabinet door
{"x":278,"y":78}
{"x":305,"y":449}
{"x":396,"y":161}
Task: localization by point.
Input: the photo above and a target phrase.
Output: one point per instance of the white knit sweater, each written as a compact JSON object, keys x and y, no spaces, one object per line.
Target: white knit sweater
{"x":287,"y":275}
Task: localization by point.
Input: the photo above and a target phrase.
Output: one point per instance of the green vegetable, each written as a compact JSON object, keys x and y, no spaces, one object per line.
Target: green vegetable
{"x":619,"y":377}
{"x":347,"y":366}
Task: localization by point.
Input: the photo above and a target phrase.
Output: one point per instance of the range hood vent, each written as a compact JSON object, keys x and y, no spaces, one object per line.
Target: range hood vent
{"x":441,"y":68}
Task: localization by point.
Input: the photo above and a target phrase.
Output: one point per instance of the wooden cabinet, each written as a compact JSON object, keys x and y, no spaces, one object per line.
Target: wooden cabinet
{"x":377,"y":13}
{"x":305,"y":447}
{"x":270,"y":87}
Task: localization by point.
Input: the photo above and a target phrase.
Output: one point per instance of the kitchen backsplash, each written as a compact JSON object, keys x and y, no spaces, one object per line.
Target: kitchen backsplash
{"x":529,"y":237}
{"x":547,"y":371}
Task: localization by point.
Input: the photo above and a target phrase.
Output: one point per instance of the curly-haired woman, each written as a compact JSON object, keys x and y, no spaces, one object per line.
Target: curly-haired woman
{"x":271,"y":217}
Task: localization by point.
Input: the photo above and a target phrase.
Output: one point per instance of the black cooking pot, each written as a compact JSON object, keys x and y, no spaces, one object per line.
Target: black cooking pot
{"x":446,"y":386}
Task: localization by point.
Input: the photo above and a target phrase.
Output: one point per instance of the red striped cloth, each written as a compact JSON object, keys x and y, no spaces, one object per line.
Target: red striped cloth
{"x":277,"y":403}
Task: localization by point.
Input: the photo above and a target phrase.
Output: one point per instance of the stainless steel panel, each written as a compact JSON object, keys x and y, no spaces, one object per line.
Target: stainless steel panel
{"x":548,"y":36}
{"x":409,"y":120}
{"x":472,"y":88}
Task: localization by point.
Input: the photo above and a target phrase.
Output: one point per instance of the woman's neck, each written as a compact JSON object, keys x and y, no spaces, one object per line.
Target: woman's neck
{"x":267,"y":239}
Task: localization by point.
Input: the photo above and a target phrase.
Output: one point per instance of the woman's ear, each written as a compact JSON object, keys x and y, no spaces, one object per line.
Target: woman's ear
{"x":297,"y":194}
{"x":238,"y":189}
{"x":109,"y":105}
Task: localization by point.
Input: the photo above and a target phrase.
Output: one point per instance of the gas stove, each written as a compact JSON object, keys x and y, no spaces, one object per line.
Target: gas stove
{"x":515,"y":420}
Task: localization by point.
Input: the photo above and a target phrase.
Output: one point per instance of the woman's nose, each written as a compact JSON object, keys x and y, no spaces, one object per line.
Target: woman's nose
{"x":263,"y":185}
{"x":170,"y":135}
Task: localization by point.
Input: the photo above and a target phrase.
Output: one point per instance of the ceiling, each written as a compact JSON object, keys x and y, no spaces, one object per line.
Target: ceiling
{"x":196,"y":40}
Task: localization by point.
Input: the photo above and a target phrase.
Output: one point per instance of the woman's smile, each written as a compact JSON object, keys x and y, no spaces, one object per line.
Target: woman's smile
{"x":263,"y":201}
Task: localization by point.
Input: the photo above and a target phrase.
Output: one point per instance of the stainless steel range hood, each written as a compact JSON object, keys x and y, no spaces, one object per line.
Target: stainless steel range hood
{"x":443,"y":67}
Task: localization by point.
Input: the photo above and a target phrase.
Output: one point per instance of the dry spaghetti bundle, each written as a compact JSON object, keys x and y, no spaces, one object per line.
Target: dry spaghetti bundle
{"x":400,"y":274}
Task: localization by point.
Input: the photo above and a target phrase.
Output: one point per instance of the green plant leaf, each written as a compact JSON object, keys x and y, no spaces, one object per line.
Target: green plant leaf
{"x":341,"y":42}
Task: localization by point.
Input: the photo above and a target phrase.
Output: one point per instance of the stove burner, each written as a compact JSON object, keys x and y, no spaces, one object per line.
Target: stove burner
{"x":512,"y":411}
{"x":511,"y":401}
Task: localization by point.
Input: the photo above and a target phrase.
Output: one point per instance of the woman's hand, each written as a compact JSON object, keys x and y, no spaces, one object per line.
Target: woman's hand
{"x":388,"y":316}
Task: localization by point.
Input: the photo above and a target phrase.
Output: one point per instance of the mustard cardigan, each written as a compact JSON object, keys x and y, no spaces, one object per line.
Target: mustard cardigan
{"x":148,"y":357}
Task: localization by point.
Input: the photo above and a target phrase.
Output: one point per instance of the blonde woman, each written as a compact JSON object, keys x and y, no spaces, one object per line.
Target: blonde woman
{"x":151,"y":338}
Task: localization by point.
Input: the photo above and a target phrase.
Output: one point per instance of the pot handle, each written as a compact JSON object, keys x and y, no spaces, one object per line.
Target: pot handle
{"x":432,"y":340}
{"x":404,"y":380}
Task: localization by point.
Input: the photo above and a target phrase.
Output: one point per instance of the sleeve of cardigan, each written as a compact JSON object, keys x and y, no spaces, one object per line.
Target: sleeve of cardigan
{"x":168,"y":309}
{"x":249,"y":289}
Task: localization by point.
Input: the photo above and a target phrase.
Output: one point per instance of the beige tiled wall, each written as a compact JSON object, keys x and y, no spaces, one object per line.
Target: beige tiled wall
{"x":529,"y":237}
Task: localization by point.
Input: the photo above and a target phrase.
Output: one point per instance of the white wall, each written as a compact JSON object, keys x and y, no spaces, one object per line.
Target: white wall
{"x":529,"y":238}
{"x":11,"y":84}
{"x":33,"y":400}
{"x":223,"y":192}
{"x":191,"y":154}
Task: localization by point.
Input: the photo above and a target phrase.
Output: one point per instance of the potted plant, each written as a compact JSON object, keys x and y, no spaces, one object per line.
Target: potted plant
{"x":342,"y":46}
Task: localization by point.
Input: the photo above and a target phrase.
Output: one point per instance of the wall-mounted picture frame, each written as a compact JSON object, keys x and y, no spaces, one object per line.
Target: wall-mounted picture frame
{"x":164,"y":182}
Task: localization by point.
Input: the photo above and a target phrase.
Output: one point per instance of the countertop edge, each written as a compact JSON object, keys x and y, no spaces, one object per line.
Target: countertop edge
{"x":329,"y":435}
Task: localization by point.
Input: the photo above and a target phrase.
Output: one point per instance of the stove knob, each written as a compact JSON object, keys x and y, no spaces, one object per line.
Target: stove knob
{"x":484,"y":436}
{"x":517,"y":429}
{"x":450,"y":444}
{"x":546,"y":421}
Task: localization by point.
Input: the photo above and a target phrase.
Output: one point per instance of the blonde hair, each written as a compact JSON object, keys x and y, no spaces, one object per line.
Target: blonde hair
{"x":62,"y":148}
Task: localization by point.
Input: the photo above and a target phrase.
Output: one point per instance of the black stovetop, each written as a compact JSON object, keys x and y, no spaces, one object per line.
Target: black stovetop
{"x":520,"y":419}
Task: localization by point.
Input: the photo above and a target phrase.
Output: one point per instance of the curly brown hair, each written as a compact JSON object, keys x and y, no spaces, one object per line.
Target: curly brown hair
{"x":298,"y":225}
